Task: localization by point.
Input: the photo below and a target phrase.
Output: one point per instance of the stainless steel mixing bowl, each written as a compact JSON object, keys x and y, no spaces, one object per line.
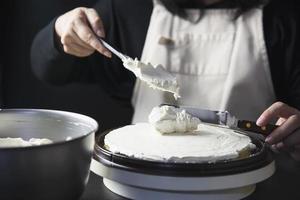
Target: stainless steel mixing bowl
{"x":57,"y":171}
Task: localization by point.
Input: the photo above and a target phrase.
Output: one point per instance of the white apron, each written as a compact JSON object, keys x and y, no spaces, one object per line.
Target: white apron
{"x":220,"y":63}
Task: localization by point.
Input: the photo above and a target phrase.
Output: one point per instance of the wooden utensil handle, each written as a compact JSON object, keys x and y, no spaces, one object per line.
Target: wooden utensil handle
{"x":251,"y":126}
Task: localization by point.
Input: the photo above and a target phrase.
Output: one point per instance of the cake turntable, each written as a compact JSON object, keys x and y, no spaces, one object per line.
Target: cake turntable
{"x":145,"y":179}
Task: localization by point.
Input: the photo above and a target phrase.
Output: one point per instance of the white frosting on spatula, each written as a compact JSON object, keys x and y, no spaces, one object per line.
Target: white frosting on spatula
{"x":155,"y":76}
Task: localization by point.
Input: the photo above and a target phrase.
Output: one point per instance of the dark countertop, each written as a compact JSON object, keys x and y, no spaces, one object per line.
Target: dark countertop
{"x":284,"y":184}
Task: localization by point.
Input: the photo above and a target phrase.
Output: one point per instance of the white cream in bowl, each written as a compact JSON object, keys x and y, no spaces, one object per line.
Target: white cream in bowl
{"x":19,"y":142}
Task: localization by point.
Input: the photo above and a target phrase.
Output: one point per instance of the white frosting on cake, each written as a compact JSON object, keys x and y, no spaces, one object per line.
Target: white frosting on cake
{"x":155,"y":76}
{"x":169,"y":119}
{"x":206,"y":144}
{"x":19,"y":142}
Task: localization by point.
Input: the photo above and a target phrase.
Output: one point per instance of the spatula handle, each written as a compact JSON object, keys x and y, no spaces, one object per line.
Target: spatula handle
{"x":251,"y":126}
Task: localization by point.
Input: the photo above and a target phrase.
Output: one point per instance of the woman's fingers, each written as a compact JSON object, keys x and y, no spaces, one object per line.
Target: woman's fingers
{"x":79,"y":27}
{"x":283,"y":131}
{"x":77,"y":50}
{"x":87,"y":36}
{"x":287,"y":136}
{"x":95,"y":22}
{"x":72,"y":38}
{"x":289,"y":121}
{"x":280,"y":121}
{"x":293,"y":139}
{"x":276,"y":110}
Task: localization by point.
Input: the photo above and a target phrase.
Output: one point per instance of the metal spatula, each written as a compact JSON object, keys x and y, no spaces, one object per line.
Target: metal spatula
{"x":226,"y":119}
{"x":114,"y":51}
{"x":152,"y":75}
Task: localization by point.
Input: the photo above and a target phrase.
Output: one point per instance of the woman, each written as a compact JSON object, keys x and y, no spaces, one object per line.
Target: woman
{"x":236,"y":55}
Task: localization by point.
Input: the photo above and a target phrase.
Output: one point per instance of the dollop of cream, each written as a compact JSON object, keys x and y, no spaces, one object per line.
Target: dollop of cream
{"x":155,"y":76}
{"x":169,"y":119}
{"x":19,"y":142}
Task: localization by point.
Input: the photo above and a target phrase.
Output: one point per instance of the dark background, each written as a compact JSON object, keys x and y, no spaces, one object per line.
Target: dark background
{"x":20,"y":22}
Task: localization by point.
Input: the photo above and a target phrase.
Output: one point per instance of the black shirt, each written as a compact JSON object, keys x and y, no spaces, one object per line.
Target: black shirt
{"x":126,"y":24}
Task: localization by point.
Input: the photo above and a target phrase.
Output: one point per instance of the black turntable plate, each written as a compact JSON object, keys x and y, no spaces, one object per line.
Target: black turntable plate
{"x":259,"y":158}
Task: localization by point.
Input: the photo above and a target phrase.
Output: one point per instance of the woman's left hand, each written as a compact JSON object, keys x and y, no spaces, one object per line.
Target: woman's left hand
{"x":287,"y":135}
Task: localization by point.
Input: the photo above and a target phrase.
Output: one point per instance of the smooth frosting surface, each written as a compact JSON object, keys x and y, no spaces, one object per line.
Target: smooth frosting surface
{"x":155,"y":76}
{"x":169,"y":119}
{"x":206,"y":144}
{"x":19,"y":142}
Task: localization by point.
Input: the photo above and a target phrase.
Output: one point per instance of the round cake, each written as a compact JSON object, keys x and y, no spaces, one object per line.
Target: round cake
{"x":205,"y":144}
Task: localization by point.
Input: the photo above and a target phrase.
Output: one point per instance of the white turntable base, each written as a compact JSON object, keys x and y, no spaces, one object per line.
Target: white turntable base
{"x":141,"y":186}
{"x":147,"y":194}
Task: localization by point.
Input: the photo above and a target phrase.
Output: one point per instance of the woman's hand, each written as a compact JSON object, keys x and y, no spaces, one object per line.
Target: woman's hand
{"x":77,"y":31}
{"x":287,"y":135}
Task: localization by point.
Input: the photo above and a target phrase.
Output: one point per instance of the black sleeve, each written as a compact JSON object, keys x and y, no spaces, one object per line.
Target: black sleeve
{"x":52,"y":65}
{"x":282,"y":32}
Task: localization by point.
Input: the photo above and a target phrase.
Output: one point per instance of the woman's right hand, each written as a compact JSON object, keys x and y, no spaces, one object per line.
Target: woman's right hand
{"x":78,"y":30}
